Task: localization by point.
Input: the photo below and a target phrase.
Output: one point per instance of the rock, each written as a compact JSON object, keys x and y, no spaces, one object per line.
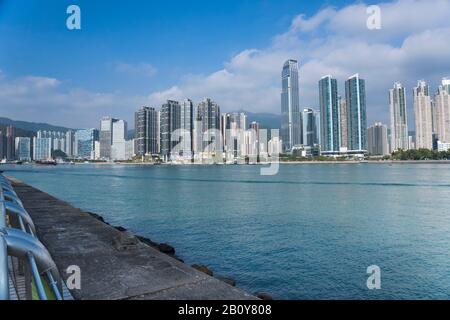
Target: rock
{"x":227,"y":280}
{"x":120,"y":228}
{"x":263,"y":296}
{"x":178,"y":258}
{"x":203,"y":268}
{"x":167,"y":249}
{"x":124,"y":241}
{"x":148,"y":242}
{"x":96,"y":216}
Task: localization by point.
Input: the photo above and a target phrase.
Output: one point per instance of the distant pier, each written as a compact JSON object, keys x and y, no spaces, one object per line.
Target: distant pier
{"x":114,"y":264}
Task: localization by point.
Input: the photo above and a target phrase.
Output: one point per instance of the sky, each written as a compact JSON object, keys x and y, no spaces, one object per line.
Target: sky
{"x":142,"y":52}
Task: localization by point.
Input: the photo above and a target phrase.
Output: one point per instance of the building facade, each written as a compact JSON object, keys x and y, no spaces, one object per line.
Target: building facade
{"x":85,"y":143}
{"x":291,"y":127}
{"x":355,"y":98}
{"x":399,"y":118}
{"x":23,"y":148}
{"x":329,"y":111}
{"x":146,"y":134}
{"x":377,"y":140}
{"x":170,"y":121}
{"x":423,"y":116}
{"x":442,"y":112}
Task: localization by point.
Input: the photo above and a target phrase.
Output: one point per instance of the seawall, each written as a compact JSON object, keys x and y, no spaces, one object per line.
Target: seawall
{"x":115,"y":265}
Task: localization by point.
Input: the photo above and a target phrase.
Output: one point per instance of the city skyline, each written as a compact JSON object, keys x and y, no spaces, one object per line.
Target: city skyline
{"x":243,"y":76}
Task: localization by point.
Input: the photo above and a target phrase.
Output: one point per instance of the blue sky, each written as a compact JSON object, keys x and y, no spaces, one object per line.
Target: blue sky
{"x":142,"y":52}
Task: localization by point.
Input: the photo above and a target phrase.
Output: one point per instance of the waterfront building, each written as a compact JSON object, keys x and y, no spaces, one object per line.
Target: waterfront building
{"x":377,"y":139}
{"x":443,"y":146}
{"x":423,"y":116}
{"x":309,"y":127}
{"x":399,"y":119}
{"x":442,"y":112}
{"x":85,"y":143}
{"x":119,"y":138}
{"x":343,"y":129}
{"x":187,"y":129}
{"x":207,"y":127}
{"x":2,"y":145}
{"x":329,"y":111}
{"x":233,"y":126}
{"x":170,"y":121}
{"x":10,"y":142}
{"x":146,"y":134}
{"x":23,"y":148}
{"x":291,"y":127}
{"x":42,"y":148}
{"x":106,"y":137}
{"x":355,"y":98}
{"x":274,"y":147}
{"x":70,"y":137}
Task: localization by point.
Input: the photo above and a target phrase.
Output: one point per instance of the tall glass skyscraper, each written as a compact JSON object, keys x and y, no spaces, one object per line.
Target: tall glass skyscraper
{"x":106,"y":136}
{"x":399,"y":120}
{"x":85,"y":143}
{"x":329,"y":110}
{"x":291,"y":127}
{"x":355,"y":97}
{"x":309,"y":127}
{"x":208,"y":135}
{"x":187,"y":127}
{"x":146,"y":132}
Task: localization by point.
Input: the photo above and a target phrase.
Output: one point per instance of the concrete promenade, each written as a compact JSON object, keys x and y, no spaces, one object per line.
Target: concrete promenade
{"x":114,"y":264}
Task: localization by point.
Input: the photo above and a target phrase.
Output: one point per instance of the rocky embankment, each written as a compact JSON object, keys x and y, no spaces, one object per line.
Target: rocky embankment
{"x":170,"y":251}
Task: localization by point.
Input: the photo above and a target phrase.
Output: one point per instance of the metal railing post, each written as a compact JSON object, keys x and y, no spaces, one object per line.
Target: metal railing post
{"x":4,"y":280}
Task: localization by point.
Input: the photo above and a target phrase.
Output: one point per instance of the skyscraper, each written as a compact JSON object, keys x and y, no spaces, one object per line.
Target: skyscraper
{"x":233,"y":126}
{"x":377,"y":141}
{"x":399,"y":122}
{"x":423,"y":116}
{"x":329,"y":111}
{"x":442,"y":112}
{"x":207,"y":127}
{"x":343,"y":122}
{"x":187,"y":129}
{"x":291,"y":130}
{"x":146,"y":134}
{"x":70,"y":137}
{"x":309,"y":127}
{"x":85,"y":143}
{"x":106,"y":136}
{"x":119,"y":139}
{"x":10,"y":142}
{"x":170,"y":120}
{"x":23,"y":149}
{"x":355,"y":98}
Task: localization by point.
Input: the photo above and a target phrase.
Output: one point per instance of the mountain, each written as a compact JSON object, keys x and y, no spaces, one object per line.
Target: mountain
{"x":266,"y":120}
{"x":26,"y":128}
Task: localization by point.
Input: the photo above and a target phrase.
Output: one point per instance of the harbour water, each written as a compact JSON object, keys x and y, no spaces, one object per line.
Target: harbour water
{"x":309,"y":232}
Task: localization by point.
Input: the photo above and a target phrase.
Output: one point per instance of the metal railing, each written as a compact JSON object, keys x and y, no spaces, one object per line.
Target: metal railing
{"x":18,"y":239}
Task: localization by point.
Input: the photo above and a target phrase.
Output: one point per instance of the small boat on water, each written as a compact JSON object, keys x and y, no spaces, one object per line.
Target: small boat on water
{"x":46,"y":162}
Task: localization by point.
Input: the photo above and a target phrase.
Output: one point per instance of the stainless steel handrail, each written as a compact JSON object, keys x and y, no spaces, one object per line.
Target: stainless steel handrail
{"x":24,"y":245}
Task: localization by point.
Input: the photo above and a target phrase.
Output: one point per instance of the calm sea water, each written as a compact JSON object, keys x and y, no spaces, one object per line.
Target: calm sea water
{"x":309,"y":232}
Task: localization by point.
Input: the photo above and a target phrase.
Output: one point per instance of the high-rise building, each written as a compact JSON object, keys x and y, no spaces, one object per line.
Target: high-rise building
{"x":207,"y":127}
{"x":291,"y":127}
{"x":85,"y":143}
{"x":377,"y":139}
{"x":10,"y":142}
{"x":2,"y":145}
{"x":42,"y":148}
{"x":399,"y":120}
{"x":343,"y":128}
{"x":23,"y":149}
{"x":309,"y":127}
{"x":106,"y":137}
{"x":187,"y":129}
{"x":442,"y":112}
{"x":70,"y":137}
{"x":329,"y":111}
{"x":233,"y":126}
{"x":146,"y":134}
{"x":119,"y":138}
{"x":170,"y":121}
{"x":355,"y":98}
{"x":423,"y":116}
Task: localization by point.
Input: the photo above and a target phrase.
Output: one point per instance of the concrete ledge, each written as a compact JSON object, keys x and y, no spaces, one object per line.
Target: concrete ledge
{"x":109,"y":272}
